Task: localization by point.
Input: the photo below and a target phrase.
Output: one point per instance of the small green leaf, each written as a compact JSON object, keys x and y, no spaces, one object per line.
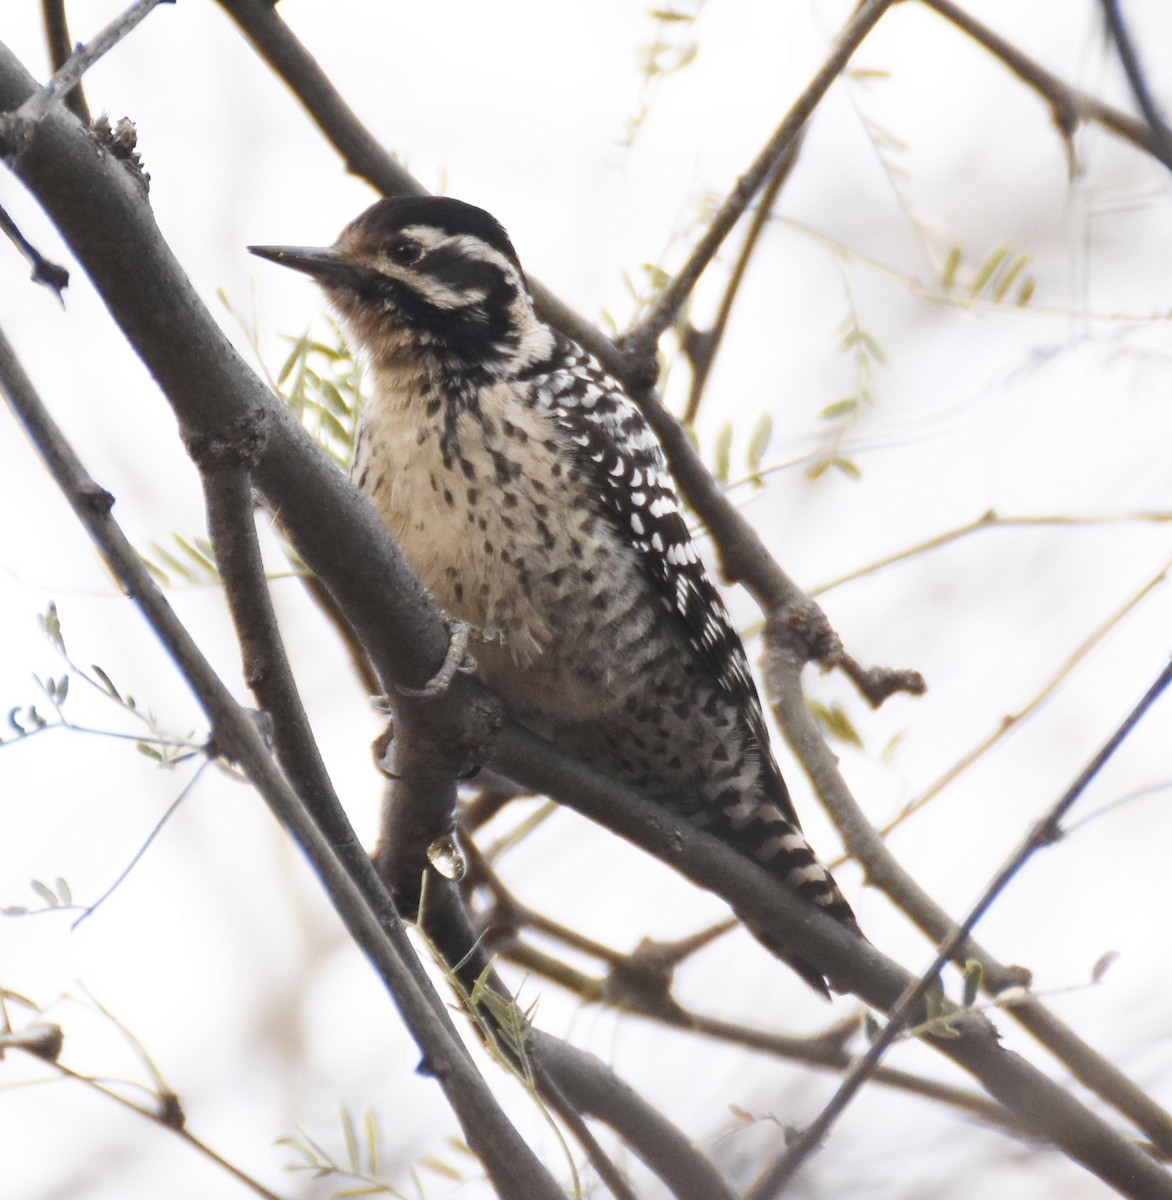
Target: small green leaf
{"x":986,"y":271}
{"x":847,"y":407}
{"x":721,"y":453}
{"x":298,"y":351}
{"x":442,"y":1168}
{"x":951,"y":267}
{"x":51,"y":627}
{"x":862,"y":74}
{"x":817,"y":469}
{"x":105,"y":681}
{"x":872,"y":347}
{"x":350,"y":1137}
{"x":161,"y":576}
{"x":834,"y":720}
{"x":1009,"y":277}
{"x":1103,"y":965}
{"x":974,"y":974}
{"x":64,"y":893}
{"x":759,"y":441}
{"x":45,"y":892}
{"x":148,"y":751}
{"x":370,"y":1128}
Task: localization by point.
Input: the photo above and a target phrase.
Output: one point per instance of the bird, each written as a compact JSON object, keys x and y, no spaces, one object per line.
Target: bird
{"x":530,"y":494}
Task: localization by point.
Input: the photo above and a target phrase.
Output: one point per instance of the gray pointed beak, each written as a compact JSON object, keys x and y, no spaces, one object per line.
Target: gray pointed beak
{"x":321,"y":262}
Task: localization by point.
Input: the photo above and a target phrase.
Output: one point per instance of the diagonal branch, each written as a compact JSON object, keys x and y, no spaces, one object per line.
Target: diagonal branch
{"x":1046,"y":831}
{"x":60,"y":48}
{"x":640,"y":343}
{"x":359,"y":900}
{"x":702,"y":348}
{"x":66,"y":77}
{"x":1129,"y":57}
{"x":105,"y":219}
{"x":1069,"y":105}
{"x":885,"y":872}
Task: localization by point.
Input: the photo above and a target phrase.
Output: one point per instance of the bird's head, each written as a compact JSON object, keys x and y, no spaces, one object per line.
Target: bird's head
{"x":424,"y":277}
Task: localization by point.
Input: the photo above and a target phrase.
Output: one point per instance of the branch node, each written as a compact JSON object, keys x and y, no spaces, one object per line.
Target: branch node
{"x":96,"y":499}
{"x":643,"y":980}
{"x":235,"y":446}
{"x":801,"y":631}
{"x":120,"y":141}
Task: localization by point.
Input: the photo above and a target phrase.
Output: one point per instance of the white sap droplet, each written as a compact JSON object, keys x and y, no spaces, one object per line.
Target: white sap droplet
{"x":446,"y":856}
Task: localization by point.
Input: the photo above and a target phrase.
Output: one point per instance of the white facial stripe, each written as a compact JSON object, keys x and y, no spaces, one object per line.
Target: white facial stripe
{"x":435,"y":291}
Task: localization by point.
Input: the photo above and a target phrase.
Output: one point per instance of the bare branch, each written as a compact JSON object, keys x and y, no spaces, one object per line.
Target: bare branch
{"x":640,"y":343}
{"x":883,"y":870}
{"x":1129,"y":57}
{"x":773,"y":1179}
{"x":596,"y":1090}
{"x":1069,"y":105}
{"x":53,"y":276}
{"x":60,"y":48}
{"x":66,"y":77}
{"x":358,"y":899}
{"x":702,"y":347}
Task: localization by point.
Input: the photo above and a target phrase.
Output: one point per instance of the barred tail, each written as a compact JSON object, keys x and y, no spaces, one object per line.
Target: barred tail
{"x":761,"y":830}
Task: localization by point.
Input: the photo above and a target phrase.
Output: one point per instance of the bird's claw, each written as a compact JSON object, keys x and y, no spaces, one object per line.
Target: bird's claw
{"x":457,"y":660}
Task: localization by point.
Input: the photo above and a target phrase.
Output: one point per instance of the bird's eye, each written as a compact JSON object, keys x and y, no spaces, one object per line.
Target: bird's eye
{"x":405,"y":252}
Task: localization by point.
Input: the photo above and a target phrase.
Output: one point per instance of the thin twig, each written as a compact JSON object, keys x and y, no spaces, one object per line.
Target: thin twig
{"x":1129,"y":57}
{"x":161,"y":1117}
{"x":885,"y":872}
{"x":80,"y":61}
{"x":1045,"y":832}
{"x":1069,"y":105}
{"x":51,"y":274}
{"x":60,"y":48}
{"x":988,"y":520}
{"x":702,"y":347}
{"x":640,"y":343}
{"x":1014,"y":720}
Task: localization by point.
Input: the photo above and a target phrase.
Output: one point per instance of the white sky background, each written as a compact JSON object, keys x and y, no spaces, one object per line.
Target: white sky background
{"x":219,"y":951}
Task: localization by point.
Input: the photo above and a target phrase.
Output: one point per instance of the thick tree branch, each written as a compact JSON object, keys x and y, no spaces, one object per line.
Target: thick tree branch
{"x":232,"y":529}
{"x":103,"y":216}
{"x":1038,"y":1104}
{"x":596,"y":1090}
{"x":360,"y":901}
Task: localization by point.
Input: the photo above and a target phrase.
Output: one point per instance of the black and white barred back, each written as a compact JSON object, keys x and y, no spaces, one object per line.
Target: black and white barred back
{"x":534,"y":500}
